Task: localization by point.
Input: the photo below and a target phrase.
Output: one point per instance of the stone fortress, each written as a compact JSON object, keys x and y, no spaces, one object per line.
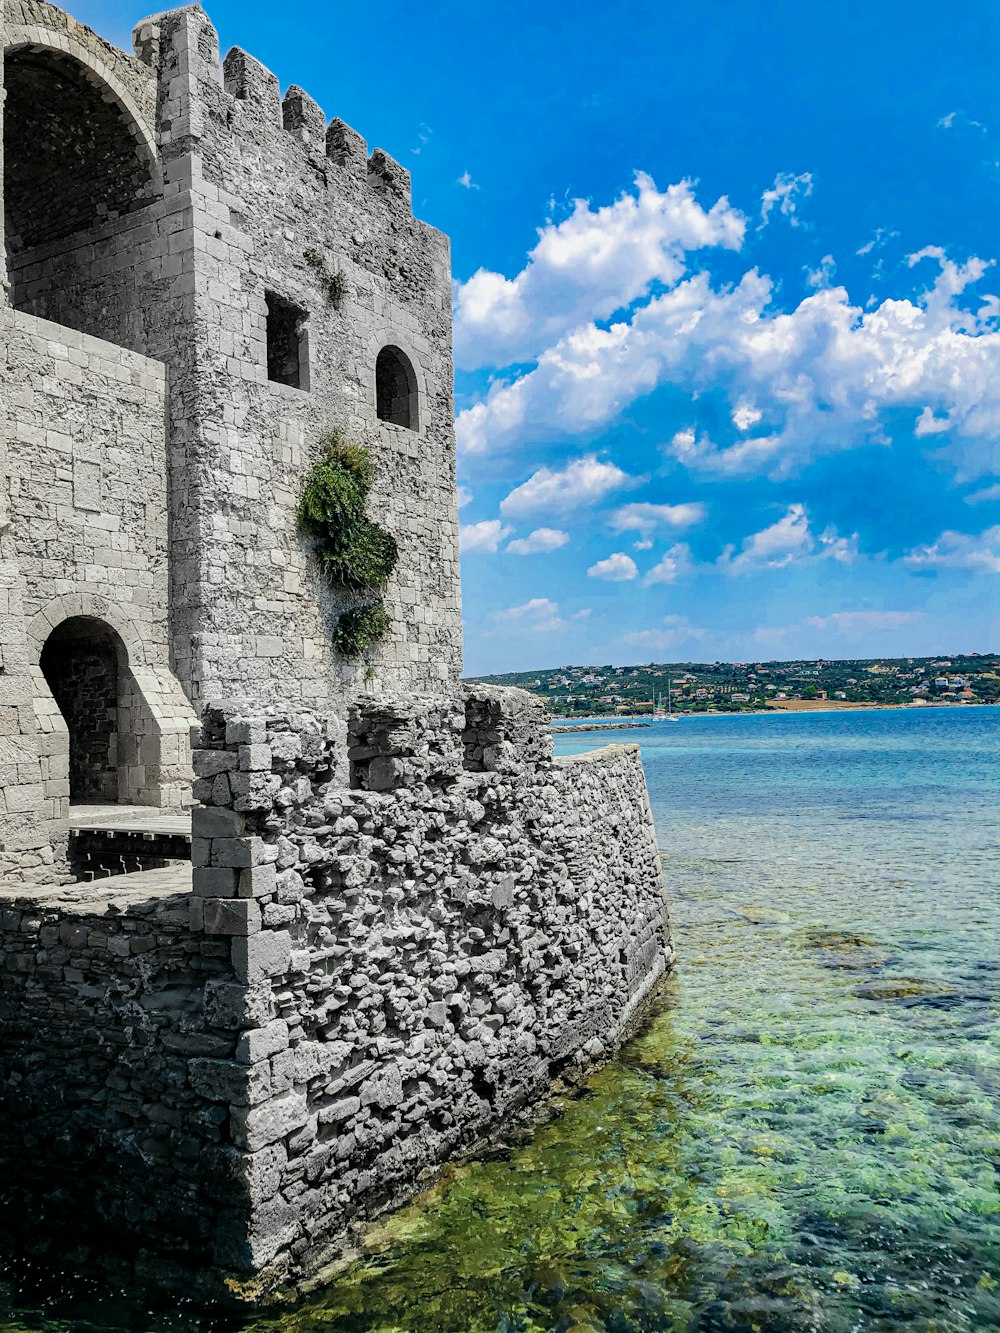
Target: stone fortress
{"x":279,"y":932}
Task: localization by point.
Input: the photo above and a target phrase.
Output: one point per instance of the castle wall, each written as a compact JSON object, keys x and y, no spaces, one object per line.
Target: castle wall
{"x":88,"y":485}
{"x":86,"y":503}
{"x":107,"y":1000}
{"x":368,"y":979}
{"x":426,"y":952}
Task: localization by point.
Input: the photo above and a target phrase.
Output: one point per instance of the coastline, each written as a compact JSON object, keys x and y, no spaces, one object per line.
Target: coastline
{"x":823,"y":706}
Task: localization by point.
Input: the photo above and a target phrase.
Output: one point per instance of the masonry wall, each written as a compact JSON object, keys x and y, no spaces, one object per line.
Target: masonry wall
{"x":107,"y":1002}
{"x":86,"y":504}
{"x":274,"y":195}
{"x":88,"y":483}
{"x":425,"y":952}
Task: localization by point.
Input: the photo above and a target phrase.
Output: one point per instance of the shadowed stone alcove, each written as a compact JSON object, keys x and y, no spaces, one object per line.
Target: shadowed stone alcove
{"x":81,"y":664}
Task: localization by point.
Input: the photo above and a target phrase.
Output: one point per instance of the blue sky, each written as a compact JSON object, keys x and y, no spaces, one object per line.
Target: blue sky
{"x":727,"y":331}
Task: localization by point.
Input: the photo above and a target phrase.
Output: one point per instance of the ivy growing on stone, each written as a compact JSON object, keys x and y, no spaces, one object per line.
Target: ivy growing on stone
{"x":356,"y":554}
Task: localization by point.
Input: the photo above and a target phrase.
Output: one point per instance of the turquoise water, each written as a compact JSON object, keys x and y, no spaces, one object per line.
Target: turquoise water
{"x":806,"y":1136}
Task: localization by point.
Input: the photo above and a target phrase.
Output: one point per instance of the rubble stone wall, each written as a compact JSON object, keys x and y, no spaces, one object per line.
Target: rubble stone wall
{"x":107,"y":999}
{"x":424,"y":951}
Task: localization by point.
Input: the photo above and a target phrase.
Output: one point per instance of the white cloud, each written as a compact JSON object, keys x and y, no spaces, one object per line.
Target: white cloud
{"x":745,"y":417}
{"x":784,"y":195}
{"x":826,"y":376}
{"x":774,"y":547}
{"x":839,"y":626}
{"x":675,"y":563}
{"x":789,"y":541}
{"x":466,"y":181}
{"x":646,"y":518}
{"x":485,"y":536}
{"x":842,"y":549}
{"x":675,"y":631}
{"x":582,"y":614}
{"x":583,"y":481}
{"x":960,"y":120}
{"x":464,"y":496}
{"x":541,"y":540}
{"x":879,"y":238}
{"x":959,"y":550}
{"x":822,"y":274}
{"x":929,"y":424}
{"x":859,"y":622}
{"x":984,"y":495}
{"x":538,"y":616}
{"x":643,"y":544}
{"x":617,"y":568}
{"x":592,"y":263}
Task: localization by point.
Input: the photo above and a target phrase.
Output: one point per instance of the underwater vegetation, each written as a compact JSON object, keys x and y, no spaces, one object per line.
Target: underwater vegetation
{"x":805,"y":1135}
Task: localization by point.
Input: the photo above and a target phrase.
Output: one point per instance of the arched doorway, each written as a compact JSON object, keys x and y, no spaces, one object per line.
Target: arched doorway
{"x":82,"y":662}
{"x":73,"y":161}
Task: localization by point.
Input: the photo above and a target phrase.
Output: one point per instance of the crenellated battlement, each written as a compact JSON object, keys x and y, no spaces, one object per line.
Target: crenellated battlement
{"x":192,"y":40}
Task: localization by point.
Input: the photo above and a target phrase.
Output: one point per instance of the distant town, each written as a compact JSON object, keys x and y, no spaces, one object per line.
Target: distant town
{"x":735,"y":687}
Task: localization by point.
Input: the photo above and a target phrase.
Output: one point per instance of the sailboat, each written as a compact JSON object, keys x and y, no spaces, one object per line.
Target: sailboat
{"x":669,"y":715}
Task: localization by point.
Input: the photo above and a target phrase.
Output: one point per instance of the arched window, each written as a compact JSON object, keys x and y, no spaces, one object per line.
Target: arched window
{"x":396,"y":389}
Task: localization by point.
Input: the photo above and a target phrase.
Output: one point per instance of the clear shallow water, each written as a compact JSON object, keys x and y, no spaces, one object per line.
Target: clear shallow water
{"x":806,"y":1136}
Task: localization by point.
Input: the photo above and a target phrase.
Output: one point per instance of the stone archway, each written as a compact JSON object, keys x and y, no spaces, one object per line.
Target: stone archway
{"x":82,"y":661}
{"x":78,"y":156}
{"x":153,"y":719}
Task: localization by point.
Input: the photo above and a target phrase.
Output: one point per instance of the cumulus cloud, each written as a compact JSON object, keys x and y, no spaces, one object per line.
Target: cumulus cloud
{"x":538,"y":542}
{"x":959,"y":550}
{"x":825,"y":376}
{"x":485,"y":536}
{"x":617,"y":568}
{"x":584,"y":268}
{"x":464,"y":496}
{"x":674,"y":564}
{"x":646,"y":518}
{"x":584,"y":481}
{"x":466,"y":181}
{"x":670,"y":633}
{"x":540,"y":615}
{"x":773,"y":547}
{"x":785,"y":195}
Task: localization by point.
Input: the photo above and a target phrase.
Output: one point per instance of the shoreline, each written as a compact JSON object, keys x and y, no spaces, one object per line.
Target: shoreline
{"x":825,"y":707}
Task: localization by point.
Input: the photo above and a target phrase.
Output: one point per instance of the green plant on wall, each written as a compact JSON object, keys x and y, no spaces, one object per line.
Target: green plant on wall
{"x":356,"y":554}
{"x":333,"y":281}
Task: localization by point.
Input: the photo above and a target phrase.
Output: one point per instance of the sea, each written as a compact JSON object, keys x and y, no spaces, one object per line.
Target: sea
{"x":806,"y":1133}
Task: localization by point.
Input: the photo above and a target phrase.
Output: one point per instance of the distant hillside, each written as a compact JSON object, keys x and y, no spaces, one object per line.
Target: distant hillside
{"x":732,"y":687}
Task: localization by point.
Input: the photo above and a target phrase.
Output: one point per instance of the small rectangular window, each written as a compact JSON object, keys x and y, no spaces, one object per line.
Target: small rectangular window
{"x":287,"y":342}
